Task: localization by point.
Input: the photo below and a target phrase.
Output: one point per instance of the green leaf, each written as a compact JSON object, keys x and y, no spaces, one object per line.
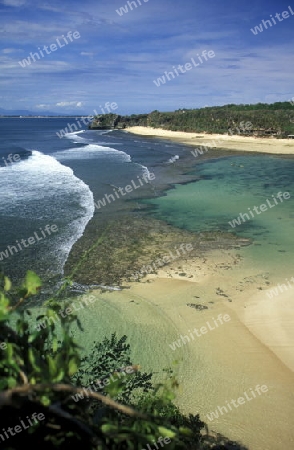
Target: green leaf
{"x":45,"y":400}
{"x":115,"y":388}
{"x":7,"y":284}
{"x":52,"y":366}
{"x":32,"y":283}
{"x":166,"y":432}
{"x":108,"y":428}
{"x":11,"y":382}
{"x":185,"y":431}
{"x":9,"y":353}
{"x":72,"y":366}
{"x":33,"y":361}
{"x":60,"y":376}
{"x":4,"y":307}
{"x":54,"y":344}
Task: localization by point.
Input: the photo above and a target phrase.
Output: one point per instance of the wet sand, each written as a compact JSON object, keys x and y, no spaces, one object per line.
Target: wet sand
{"x":235,"y":356}
{"x":221,"y":364}
{"x":255,"y":347}
{"x":272,"y":321}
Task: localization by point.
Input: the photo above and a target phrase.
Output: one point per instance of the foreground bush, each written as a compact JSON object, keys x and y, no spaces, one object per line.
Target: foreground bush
{"x":53,"y":398}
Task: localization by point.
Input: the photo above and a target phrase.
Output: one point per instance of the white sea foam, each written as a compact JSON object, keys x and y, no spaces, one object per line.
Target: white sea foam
{"x":106,"y":131}
{"x":75,"y":132}
{"x":76,"y":138}
{"x":40,"y":188}
{"x":92,"y":151}
{"x":173,"y":159}
{"x":145,"y":170}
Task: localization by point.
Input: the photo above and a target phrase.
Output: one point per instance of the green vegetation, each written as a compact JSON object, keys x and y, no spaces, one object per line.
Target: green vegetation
{"x":275,"y":119}
{"x":43,"y":376}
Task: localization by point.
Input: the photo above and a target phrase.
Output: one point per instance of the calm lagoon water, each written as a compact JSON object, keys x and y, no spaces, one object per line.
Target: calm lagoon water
{"x":233,"y":185}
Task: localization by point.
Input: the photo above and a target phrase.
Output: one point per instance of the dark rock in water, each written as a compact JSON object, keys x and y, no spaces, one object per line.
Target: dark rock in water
{"x":106,"y":122}
{"x":198,"y":307}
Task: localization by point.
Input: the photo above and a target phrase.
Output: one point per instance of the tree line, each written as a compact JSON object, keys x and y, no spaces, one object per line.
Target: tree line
{"x":275,"y":119}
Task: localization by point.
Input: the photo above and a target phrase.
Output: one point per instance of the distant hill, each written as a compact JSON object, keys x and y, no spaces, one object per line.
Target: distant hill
{"x":26,"y":112}
{"x":262,"y":119}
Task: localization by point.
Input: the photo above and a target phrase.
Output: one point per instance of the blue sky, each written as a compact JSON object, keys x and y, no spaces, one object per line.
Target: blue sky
{"x":117,"y":57}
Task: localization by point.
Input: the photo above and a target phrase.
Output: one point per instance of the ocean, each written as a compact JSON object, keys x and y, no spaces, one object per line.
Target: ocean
{"x":52,"y":181}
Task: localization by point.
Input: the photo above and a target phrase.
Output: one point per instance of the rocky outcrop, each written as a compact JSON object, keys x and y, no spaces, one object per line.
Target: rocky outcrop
{"x":104,"y":122}
{"x":117,"y":122}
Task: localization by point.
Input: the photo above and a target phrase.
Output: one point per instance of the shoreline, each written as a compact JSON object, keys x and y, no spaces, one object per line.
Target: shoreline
{"x":222,"y":362}
{"x":237,"y":354}
{"x":188,"y":293}
{"x":269,"y":320}
{"x":217,"y":141}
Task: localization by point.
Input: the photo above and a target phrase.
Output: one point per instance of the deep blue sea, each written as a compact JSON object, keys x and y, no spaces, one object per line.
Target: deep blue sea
{"x":56,"y":181}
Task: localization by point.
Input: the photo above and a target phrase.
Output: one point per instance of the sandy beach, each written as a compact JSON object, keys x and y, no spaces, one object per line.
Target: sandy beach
{"x":221,"y":363}
{"x":255,"y":346}
{"x":228,"y":142}
{"x":221,"y":278}
{"x":271,"y":320}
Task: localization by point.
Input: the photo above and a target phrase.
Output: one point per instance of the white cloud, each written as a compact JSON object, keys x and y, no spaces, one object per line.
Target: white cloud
{"x":87,"y":54}
{"x":10,"y":68}
{"x":13,"y":2}
{"x":47,"y":7}
{"x":79,"y":17}
{"x":42,"y":106}
{"x":65,"y":104}
{"x":6,"y":51}
{"x":27,"y":30}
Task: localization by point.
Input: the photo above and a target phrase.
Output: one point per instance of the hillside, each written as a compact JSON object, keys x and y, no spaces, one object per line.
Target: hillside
{"x":275,"y":119}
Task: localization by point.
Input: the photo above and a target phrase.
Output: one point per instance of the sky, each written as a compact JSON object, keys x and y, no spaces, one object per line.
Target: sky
{"x":115,"y":57}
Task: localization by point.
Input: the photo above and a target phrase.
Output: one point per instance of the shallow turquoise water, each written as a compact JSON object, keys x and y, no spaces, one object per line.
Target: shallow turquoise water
{"x":228,"y":187}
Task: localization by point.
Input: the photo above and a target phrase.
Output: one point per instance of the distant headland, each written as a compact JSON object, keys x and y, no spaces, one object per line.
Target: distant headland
{"x":267,"y":120}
